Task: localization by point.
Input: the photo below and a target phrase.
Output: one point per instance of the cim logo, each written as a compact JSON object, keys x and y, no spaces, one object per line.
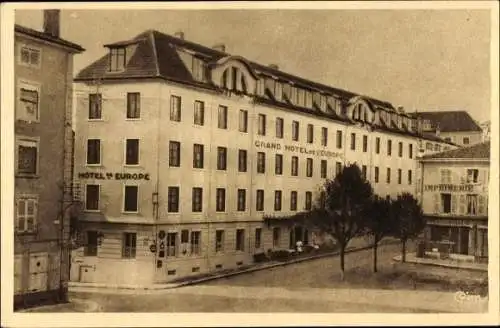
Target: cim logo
{"x":462,"y":296}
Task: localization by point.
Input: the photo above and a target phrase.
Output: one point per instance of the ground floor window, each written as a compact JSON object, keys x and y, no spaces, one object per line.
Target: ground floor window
{"x":258,"y":237}
{"x":276,"y":236}
{"x":171,"y":244}
{"x":240,"y":239}
{"x":26,"y":213}
{"x":91,"y":244}
{"x":129,"y":245}
{"x":195,"y":242}
{"x":219,"y":241}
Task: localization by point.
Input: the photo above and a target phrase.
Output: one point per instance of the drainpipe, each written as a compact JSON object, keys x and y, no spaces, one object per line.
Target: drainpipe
{"x":156,"y":195}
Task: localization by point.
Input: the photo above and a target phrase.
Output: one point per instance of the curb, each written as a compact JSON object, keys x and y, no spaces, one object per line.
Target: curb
{"x":230,"y":274}
{"x":87,"y":305}
{"x":397,"y":258}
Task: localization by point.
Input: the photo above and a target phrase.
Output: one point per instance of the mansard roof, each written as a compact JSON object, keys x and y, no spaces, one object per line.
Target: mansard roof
{"x":450,"y":121}
{"x":477,"y":151}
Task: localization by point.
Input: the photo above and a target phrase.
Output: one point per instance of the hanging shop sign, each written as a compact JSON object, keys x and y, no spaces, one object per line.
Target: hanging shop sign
{"x":449,"y":187}
{"x":113,"y":176}
{"x":297,"y":149}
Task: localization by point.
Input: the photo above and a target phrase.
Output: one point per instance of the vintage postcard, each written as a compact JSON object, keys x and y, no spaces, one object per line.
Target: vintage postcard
{"x":237,"y":163}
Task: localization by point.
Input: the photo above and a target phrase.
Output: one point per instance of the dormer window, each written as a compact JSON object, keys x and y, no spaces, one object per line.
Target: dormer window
{"x":198,"y":69}
{"x":427,"y":125}
{"x":117,"y":59}
{"x":308,"y":99}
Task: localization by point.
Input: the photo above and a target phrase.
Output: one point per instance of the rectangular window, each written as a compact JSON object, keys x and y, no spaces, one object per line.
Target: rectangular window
{"x":465,"y":140}
{"x":219,"y":241}
{"x":377,"y":145}
{"x":363,"y":171}
{"x":279,"y":128}
{"x":445,"y":176}
{"x":243,"y":118}
{"x":310,"y":133}
{"x":92,"y":197}
{"x":388,"y":178}
{"x":409,"y":177}
{"x":293,"y":201}
{"x":93,"y":151}
{"x":324,"y":137}
{"x":133,"y":105}
{"x":258,"y":237}
{"x":95,"y":106}
{"x":472,"y":175}
{"x":323,"y":168}
{"x":259,"y":200}
{"x":399,"y":176}
{"x":130,"y":203}
{"x":376,"y":174}
{"x":295,"y":131}
{"x":295,"y":166}
{"x":26,"y":214}
{"x":339,"y":139}
{"x":220,"y":200}
{"x":277,"y":200}
{"x":198,"y":154}
{"x":117,"y":59}
{"x":240,"y":240}
{"x":389,"y":147}
{"x":308,"y":200}
{"x":221,"y":158}
{"x":410,"y":150}
{"x":472,"y":204}
{"x":309,"y":167}
{"x":278,"y":169}
{"x":175,"y":108}
{"x":338,"y":168}
{"x":242,"y":160}
{"x":29,"y":103}
{"x":91,"y":244}
{"x":172,"y":243}
{"x":242,"y":200}
{"x":27,"y":157}
{"x":262,"y":125}
{"x":174,"y":154}
{"x":173,"y":199}
{"x":184,"y":236}
{"x":199,"y":112}
{"x":276,"y":236}
{"x":353,"y":141}
{"x":365,"y":144}
{"x":197,"y":198}
{"x":195,"y":242}
{"x":261,"y":162}
{"x":446,"y":203}
{"x":128,"y":245}
{"x":30,"y":56}
{"x":400,"y":149}
{"x":222,"y":117}
{"x":132,"y":152}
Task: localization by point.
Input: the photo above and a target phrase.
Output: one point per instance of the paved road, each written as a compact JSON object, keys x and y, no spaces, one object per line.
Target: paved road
{"x":311,"y":286}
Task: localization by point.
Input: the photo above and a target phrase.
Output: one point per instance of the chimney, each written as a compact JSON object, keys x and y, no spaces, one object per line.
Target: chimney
{"x":274,"y":66}
{"x":220,"y":47}
{"x":401,"y":109}
{"x":179,"y":34}
{"x":51,"y":21}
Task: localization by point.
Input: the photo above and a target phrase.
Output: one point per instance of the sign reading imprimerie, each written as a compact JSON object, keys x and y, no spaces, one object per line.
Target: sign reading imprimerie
{"x":297,"y":149}
{"x":449,"y":187}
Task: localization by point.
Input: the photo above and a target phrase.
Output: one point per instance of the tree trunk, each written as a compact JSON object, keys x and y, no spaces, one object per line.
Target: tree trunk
{"x":342,"y":254}
{"x":403,"y":250}
{"x":375,"y":246}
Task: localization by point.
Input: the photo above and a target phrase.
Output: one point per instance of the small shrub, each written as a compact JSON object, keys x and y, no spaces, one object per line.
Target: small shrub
{"x":260,"y":257}
{"x":280,"y":255}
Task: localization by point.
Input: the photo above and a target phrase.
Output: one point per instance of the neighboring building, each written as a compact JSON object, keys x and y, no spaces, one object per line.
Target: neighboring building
{"x":457,"y":127}
{"x":486,"y":127}
{"x":183,"y":149}
{"x":455,"y":199}
{"x":43,"y":141}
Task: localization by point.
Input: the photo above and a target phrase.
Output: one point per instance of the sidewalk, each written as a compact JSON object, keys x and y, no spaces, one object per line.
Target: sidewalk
{"x":448,"y":263}
{"x":82,"y":287}
{"x":74,"y":305}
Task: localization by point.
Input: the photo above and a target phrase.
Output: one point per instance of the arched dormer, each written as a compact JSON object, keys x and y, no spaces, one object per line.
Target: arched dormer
{"x":235,"y":74}
{"x":360,"y":110}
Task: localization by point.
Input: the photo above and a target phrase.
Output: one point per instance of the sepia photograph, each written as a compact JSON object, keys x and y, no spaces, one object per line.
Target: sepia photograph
{"x":284,"y":158}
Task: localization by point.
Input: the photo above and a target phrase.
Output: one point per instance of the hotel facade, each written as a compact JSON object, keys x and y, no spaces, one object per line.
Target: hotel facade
{"x":43,"y":162}
{"x":182,"y":150}
{"x":455,"y":201}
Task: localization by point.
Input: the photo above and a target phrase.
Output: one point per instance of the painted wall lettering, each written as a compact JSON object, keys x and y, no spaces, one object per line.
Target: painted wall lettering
{"x":297,"y":149}
{"x":115,"y":176}
{"x":449,"y":187}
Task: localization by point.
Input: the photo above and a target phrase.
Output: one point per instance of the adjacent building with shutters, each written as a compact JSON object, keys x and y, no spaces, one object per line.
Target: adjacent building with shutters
{"x":182,"y":149}
{"x":43,"y":161}
{"x":455,"y":200}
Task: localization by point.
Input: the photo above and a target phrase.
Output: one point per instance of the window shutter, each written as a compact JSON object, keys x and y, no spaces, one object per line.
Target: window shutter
{"x":454,"y":202}
{"x":436,"y":203}
{"x":482,"y":209}
{"x":462,"y":208}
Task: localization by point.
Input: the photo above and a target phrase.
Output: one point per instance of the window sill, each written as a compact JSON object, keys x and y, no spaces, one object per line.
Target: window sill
{"x":93,"y":165}
{"x":133,"y":119}
{"x":91,"y":211}
{"x":95,"y":120}
{"x":26,"y":233}
{"x":135,"y":166}
{"x":27,"y":176}
{"x":27,"y":121}
{"x":129,"y":213}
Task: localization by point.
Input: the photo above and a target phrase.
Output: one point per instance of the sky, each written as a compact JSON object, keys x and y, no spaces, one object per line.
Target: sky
{"x":418,"y":59}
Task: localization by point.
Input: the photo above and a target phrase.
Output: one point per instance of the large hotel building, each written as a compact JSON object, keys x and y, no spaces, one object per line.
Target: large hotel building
{"x":182,"y":150}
